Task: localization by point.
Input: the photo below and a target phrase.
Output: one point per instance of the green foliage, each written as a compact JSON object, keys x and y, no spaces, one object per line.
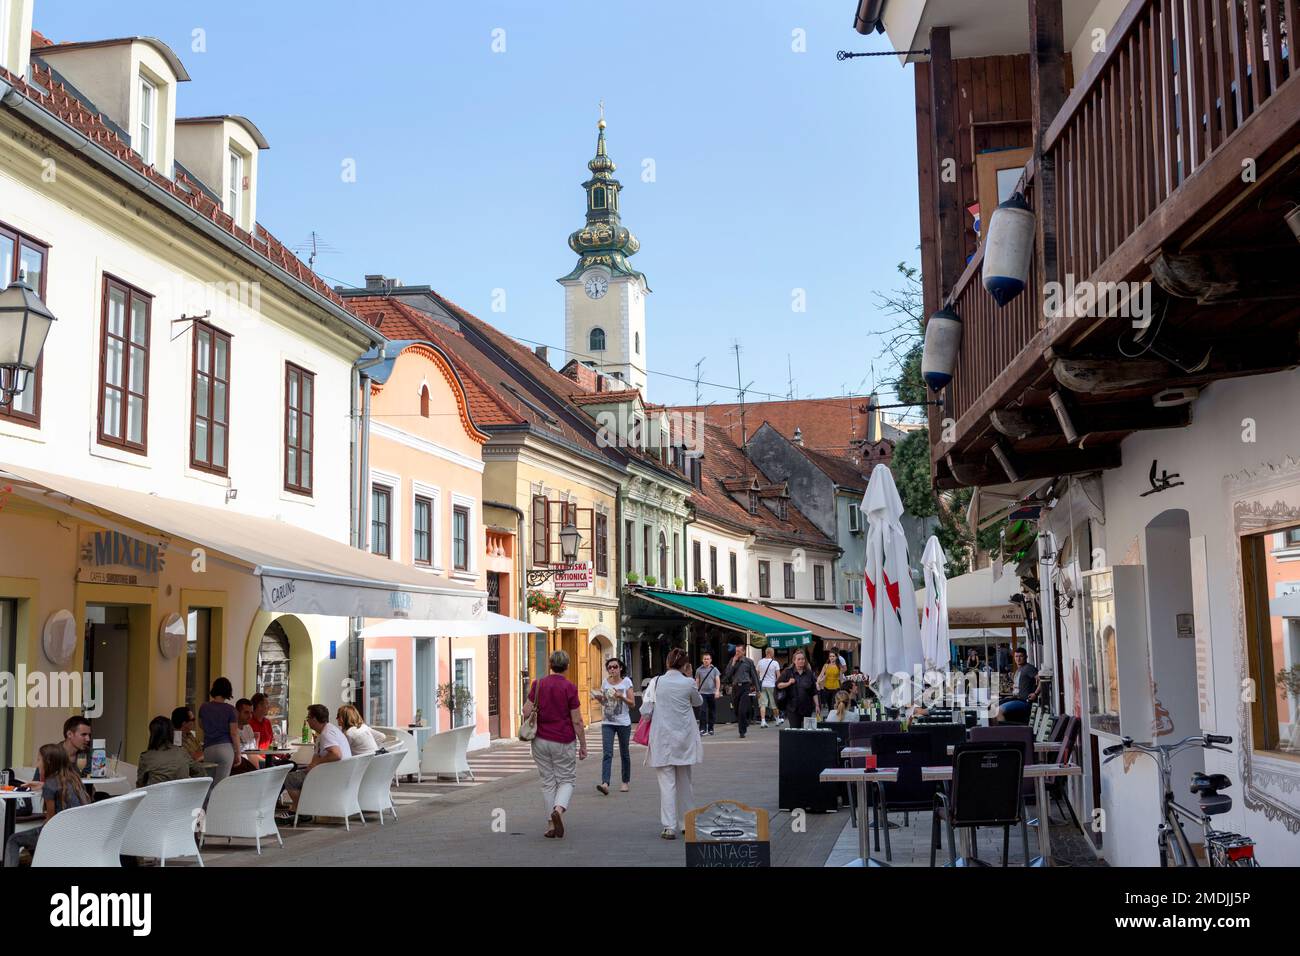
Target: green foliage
{"x":909,"y":385}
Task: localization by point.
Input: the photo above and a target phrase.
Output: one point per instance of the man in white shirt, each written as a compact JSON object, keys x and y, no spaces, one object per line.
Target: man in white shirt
{"x":331,"y":745}
{"x":768,"y":671}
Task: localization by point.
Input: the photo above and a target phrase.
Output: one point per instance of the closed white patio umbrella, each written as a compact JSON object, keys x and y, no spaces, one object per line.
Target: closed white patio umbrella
{"x":934,"y":618}
{"x":891,"y":635}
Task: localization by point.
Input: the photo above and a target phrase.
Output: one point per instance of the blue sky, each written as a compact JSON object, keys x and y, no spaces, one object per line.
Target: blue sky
{"x":774,"y":170}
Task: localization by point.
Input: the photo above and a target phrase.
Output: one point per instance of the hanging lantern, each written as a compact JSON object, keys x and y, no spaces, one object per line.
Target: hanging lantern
{"x":1008,"y":249}
{"x":942,"y":341}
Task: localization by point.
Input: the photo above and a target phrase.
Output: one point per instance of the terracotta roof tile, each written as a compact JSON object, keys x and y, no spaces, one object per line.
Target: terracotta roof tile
{"x":604,"y":398}
{"x":828,"y":425}
{"x":54,"y":97}
{"x":397,"y":320}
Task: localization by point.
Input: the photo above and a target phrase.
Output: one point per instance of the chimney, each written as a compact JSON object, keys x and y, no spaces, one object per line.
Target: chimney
{"x":542,"y":353}
{"x":798,"y":436}
{"x":600,"y":383}
{"x":381,"y":283}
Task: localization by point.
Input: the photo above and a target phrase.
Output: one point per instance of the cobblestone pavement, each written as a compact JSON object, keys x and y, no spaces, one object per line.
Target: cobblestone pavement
{"x":500,"y":822}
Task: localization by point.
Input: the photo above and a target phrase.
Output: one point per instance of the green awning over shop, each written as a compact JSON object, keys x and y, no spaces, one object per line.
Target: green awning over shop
{"x":761,"y":630}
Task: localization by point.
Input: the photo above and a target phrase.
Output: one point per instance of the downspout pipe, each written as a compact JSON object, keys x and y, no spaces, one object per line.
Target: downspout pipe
{"x":360,"y":448}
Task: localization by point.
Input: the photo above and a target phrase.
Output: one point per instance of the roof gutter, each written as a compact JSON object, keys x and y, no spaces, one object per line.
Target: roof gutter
{"x":867,"y":20}
{"x":96,"y":154}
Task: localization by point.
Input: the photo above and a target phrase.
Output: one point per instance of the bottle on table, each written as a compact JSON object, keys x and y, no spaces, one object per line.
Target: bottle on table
{"x":306,"y":733}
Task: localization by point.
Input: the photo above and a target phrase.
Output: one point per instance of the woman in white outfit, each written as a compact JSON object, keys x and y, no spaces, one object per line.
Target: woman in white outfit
{"x":675,"y":745}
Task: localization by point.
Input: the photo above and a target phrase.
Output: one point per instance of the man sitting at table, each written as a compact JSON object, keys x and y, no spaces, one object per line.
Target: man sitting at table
{"x":331,"y":745}
{"x":260,"y":723}
{"x":244,"y":762}
{"x":76,"y":745}
{"x":183,"y":724}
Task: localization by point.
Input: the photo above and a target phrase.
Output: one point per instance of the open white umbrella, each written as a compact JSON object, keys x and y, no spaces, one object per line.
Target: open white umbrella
{"x":891,"y":635}
{"x":934,"y":619}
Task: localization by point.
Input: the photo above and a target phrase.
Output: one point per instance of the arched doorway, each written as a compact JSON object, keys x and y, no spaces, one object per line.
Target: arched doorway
{"x":280,"y":664}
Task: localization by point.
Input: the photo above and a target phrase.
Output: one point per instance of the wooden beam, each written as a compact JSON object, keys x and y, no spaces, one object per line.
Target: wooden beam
{"x":946,"y":159}
{"x":1029,"y":424}
{"x":1094,"y":376}
{"x":985,"y":470}
{"x":1047,"y":94}
{"x":1020,"y":423}
{"x":1230,"y":275}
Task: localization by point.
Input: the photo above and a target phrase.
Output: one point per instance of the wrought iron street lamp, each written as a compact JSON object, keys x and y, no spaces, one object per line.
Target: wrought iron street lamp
{"x":570,"y":539}
{"x":24,"y":323}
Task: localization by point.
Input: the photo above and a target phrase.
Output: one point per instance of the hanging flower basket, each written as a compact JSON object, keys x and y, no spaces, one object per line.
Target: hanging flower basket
{"x":544,"y":603}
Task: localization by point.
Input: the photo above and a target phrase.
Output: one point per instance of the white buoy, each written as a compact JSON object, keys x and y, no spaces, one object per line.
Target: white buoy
{"x":1008,"y":249}
{"x":942,"y":341}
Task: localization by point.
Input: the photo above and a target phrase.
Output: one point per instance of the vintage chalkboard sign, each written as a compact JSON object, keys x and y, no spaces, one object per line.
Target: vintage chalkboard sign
{"x":727,"y":834}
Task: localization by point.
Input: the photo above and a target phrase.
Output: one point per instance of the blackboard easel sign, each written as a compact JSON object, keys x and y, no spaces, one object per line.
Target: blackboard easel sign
{"x":727,"y":834}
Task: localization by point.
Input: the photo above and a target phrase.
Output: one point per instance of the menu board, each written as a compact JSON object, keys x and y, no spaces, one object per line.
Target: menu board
{"x":1201,"y":630}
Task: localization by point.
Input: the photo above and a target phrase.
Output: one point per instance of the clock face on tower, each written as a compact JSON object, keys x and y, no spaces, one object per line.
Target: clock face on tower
{"x":596,"y":285}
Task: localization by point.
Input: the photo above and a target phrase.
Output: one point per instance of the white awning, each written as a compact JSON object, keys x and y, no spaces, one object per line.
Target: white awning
{"x":301,"y":572}
{"x":488,"y":624}
{"x":834,"y":618}
{"x":993,"y":503}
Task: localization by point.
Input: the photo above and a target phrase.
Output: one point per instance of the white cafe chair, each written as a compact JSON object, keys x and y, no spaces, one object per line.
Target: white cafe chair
{"x":90,"y":835}
{"x":376,"y":793}
{"x":447,"y":753}
{"x":410,"y":765}
{"x":331,"y":790}
{"x":243,"y":805}
{"x":165,"y":824}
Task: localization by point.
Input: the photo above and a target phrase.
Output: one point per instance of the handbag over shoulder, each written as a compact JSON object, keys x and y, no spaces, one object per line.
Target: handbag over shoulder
{"x":528,"y":726}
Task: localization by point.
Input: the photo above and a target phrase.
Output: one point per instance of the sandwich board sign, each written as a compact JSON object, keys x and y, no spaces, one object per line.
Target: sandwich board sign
{"x":728,"y":834}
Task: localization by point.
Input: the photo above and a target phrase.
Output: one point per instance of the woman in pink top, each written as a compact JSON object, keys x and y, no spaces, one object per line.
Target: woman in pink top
{"x":559,"y":727}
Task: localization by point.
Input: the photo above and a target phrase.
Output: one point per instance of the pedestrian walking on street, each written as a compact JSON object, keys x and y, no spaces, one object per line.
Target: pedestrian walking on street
{"x":708,"y":680}
{"x":559,"y":728}
{"x":800,"y":686}
{"x":828,"y":681}
{"x":768,"y":671}
{"x":615,"y":696}
{"x":675,"y":745}
{"x":742,"y":675}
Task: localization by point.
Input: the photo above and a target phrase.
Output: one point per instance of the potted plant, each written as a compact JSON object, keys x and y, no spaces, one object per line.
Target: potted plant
{"x":678,"y":584}
{"x":702,"y":586}
{"x":459,"y":702}
{"x":633,"y":577}
{"x":651,"y":580}
{"x":719,"y":589}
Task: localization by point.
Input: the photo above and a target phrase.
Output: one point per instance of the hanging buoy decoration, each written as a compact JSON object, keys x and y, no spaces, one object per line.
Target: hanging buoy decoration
{"x":1008,"y":249}
{"x":942,"y":341}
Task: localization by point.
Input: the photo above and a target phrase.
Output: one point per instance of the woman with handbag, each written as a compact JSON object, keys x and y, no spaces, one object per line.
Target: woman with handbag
{"x":553,"y":721}
{"x":674,"y":739}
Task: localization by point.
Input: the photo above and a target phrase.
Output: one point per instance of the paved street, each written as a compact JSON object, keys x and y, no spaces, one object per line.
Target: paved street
{"x":456,"y":827}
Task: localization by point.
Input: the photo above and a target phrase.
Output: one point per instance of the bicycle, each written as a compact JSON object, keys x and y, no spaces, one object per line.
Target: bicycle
{"x":1222,"y":848}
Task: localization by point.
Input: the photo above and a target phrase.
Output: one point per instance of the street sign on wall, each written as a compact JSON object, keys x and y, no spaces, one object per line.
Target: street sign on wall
{"x":574,"y":577}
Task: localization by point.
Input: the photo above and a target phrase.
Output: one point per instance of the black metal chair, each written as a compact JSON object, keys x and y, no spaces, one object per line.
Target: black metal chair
{"x":907,"y":753}
{"x":943,"y":736}
{"x":861,"y":734}
{"x":1056,"y":787}
{"x":985,"y":792}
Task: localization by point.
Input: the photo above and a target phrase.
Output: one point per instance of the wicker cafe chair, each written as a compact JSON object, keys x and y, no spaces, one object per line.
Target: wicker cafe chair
{"x":376,"y":792}
{"x":244,"y":806}
{"x":332,"y":789}
{"x":986,"y":782}
{"x":89,"y":835}
{"x":165,"y":823}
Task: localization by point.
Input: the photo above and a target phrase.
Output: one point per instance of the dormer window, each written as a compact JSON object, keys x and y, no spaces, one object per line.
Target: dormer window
{"x":235,"y":190}
{"x":147,"y":134}
{"x":753,"y":502}
{"x":781,"y":511}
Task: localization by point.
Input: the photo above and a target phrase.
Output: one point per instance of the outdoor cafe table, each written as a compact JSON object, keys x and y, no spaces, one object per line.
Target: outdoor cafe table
{"x":1039,"y":773}
{"x":863,"y":779}
{"x":1041,"y":746}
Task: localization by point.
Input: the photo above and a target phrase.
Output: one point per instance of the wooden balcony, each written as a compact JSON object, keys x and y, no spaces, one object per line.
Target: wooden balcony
{"x":1172,"y":165}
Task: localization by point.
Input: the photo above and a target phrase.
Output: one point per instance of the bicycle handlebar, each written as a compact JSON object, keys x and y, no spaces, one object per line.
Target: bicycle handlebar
{"x":1208,"y":741}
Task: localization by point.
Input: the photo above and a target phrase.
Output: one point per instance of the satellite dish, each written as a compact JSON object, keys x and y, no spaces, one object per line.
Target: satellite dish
{"x":59,"y":638}
{"x":171,"y":636}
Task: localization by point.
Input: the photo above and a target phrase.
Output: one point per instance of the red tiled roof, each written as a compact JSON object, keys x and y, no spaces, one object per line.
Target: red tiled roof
{"x":828,"y":425}
{"x":59,"y":102}
{"x":397,"y":320}
{"x":726,"y":466}
{"x":604,"y":398}
{"x":39,"y":40}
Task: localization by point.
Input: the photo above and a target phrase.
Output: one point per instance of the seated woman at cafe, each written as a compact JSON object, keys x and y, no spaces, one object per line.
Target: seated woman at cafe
{"x":60,"y":789}
{"x":183,"y":724}
{"x":164,"y":760}
{"x":362,"y":738}
{"x":840,"y":708}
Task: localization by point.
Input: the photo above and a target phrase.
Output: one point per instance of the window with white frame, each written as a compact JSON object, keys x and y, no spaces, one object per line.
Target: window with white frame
{"x":463,"y":544}
{"x":235,"y":194}
{"x":385,"y":509}
{"x":148,"y":120}
{"x":426,"y":529}
{"x":462,"y":689}
{"x":855,"y":518}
